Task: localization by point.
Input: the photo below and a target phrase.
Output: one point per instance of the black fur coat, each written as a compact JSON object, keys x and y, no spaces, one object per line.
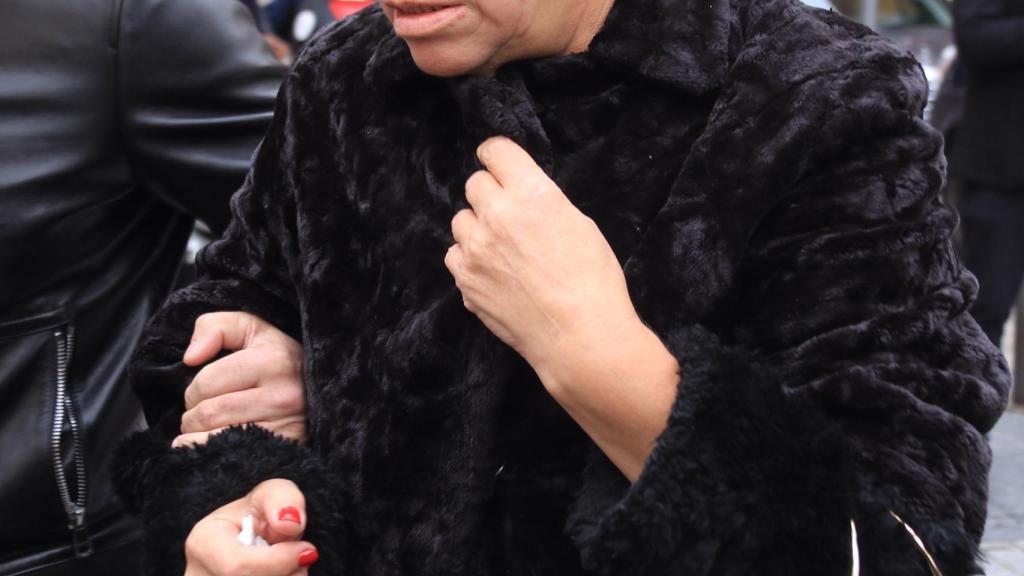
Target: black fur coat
{"x":763,"y":173}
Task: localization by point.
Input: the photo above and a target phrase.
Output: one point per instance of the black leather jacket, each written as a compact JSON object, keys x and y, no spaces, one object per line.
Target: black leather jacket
{"x":120,"y":122}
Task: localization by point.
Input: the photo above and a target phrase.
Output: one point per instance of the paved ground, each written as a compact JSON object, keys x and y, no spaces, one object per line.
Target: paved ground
{"x":1003,"y":543}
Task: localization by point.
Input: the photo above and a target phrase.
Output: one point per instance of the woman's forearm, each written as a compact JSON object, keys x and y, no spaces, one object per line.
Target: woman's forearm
{"x":620,"y":393}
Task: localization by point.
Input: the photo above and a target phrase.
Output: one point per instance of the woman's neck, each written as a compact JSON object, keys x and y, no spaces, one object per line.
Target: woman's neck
{"x":566,"y":27}
{"x":592,"y":17}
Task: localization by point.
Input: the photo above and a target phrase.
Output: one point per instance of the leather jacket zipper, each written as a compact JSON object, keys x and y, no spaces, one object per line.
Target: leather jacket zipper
{"x":64,"y":410}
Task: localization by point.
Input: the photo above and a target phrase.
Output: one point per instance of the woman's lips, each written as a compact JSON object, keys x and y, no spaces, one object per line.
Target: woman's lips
{"x":417,"y":20}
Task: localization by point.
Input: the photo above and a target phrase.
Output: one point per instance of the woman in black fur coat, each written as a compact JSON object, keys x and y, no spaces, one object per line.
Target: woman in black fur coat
{"x":722,"y":214}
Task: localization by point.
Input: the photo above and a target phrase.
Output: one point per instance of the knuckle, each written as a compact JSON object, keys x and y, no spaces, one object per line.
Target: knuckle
{"x":462,"y":223}
{"x":483,"y":151}
{"x":243,"y":322}
{"x":187,"y":424}
{"x":284,"y":356}
{"x":199,"y":387}
{"x":292,"y":364}
{"x":498,"y":210}
{"x":293,"y":346}
{"x":477,"y":246}
{"x":289,"y":399}
{"x":190,"y":398}
{"x":470,"y":248}
{"x":243,"y":316}
{"x":476,"y":180}
{"x":451,"y":257}
{"x":490,"y":147}
{"x":267,"y":362}
{"x":205,"y":415}
{"x":203,"y":322}
{"x":212,"y":320}
{"x":193,"y":548}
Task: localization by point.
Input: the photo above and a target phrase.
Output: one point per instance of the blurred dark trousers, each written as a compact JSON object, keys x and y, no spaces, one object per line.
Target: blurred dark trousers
{"x":992,"y":220}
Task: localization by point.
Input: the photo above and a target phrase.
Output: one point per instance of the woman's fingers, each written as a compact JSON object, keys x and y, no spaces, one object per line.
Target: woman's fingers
{"x":283,"y":507}
{"x":213,"y":549}
{"x":463,"y":224}
{"x":220,"y":330}
{"x":531,"y":266}
{"x":511,"y":165}
{"x":246,"y":369}
{"x":279,"y":516}
{"x":289,"y":556}
{"x":262,"y":404}
{"x":283,"y":559}
{"x":260,"y":384}
{"x":453,"y":261}
{"x":480,"y":188}
{"x":193,"y":438}
{"x":231,"y":373}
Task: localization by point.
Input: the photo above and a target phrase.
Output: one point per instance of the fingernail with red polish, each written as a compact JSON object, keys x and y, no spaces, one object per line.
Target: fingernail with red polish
{"x":308,"y":557}
{"x":289,"y":514}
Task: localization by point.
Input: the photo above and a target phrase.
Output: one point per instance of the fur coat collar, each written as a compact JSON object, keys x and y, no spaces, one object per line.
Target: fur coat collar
{"x":688,"y":51}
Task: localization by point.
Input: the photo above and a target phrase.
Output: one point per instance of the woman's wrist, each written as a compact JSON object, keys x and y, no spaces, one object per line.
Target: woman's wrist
{"x":620,"y":392}
{"x":569,"y":358}
{"x":569,"y":367}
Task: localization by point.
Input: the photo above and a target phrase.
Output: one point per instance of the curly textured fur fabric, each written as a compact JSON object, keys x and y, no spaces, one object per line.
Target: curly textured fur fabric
{"x":762,"y":171}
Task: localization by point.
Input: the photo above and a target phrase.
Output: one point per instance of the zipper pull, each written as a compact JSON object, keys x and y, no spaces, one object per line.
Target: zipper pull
{"x":80,"y":540}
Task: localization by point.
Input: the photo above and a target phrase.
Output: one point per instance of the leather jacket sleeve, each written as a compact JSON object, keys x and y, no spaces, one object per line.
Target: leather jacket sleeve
{"x":247,"y":269}
{"x":989,"y":37}
{"x":197,"y":85}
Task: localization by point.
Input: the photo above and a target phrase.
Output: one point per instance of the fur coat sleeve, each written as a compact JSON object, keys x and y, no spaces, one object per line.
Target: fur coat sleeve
{"x":850,"y":386}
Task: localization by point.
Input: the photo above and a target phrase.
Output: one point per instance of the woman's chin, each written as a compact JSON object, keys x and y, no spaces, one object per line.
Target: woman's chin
{"x":446,"y":63}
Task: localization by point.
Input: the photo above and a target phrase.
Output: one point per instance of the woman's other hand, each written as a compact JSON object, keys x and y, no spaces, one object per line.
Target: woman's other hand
{"x":279,"y":516}
{"x":541,"y":276}
{"x":536,"y":270}
{"x":260,"y":382}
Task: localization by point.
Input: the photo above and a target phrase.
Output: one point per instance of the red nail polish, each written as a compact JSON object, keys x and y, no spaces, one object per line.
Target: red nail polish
{"x":308,"y":557}
{"x":289,"y":514}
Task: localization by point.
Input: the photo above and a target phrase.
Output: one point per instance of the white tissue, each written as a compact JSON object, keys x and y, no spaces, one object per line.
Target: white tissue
{"x":248,"y":535}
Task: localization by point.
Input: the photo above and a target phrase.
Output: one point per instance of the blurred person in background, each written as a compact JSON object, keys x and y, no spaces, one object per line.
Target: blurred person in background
{"x":297,"y":20}
{"x":281,"y":49}
{"x":120,"y":123}
{"x":257,"y":14}
{"x":988,"y":154}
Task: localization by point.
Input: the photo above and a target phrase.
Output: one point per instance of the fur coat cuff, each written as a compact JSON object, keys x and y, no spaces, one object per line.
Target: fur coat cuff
{"x":720,"y":484}
{"x":171,"y":489}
